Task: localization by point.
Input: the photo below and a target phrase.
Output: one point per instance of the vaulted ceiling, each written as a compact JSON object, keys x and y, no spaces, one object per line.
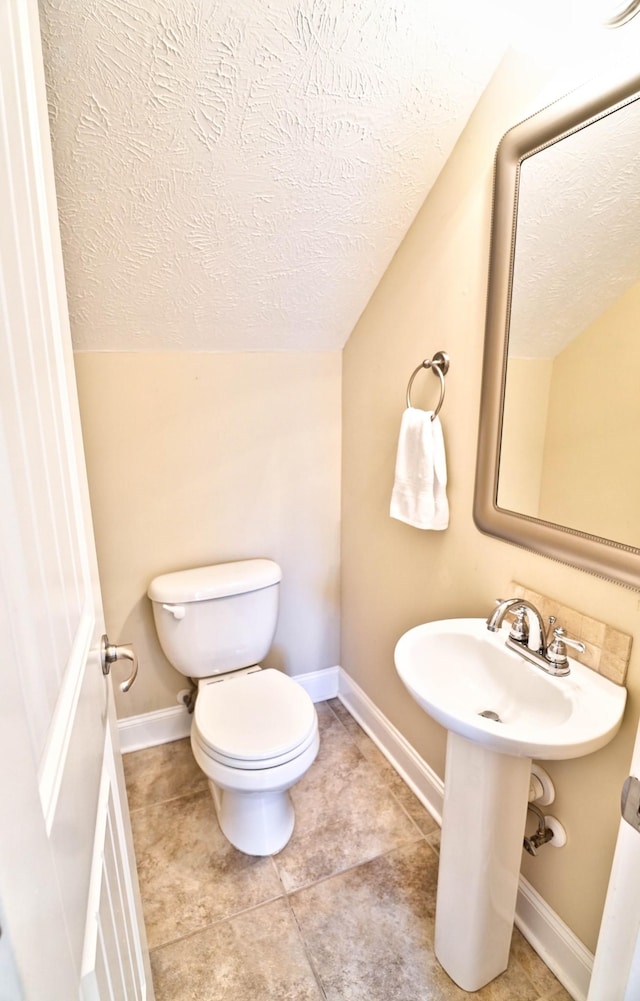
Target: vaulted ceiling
{"x":235,"y":175}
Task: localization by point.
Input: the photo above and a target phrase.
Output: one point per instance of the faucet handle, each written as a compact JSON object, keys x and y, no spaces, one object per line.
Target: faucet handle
{"x":519,"y":631}
{"x":560,"y":635}
{"x":557,"y":650}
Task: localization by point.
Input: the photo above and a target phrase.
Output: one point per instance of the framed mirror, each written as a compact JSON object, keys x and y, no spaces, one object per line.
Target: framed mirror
{"x":558,"y":465}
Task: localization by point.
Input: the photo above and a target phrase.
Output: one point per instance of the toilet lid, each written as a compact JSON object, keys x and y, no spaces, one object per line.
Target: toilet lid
{"x":255,"y":717}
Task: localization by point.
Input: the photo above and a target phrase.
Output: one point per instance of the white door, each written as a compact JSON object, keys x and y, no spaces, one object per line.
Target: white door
{"x":616,"y":968}
{"x":69,"y":904}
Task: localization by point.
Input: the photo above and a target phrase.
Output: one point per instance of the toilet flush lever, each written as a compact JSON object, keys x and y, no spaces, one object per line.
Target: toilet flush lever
{"x":109,"y":654}
{"x":176,"y":610}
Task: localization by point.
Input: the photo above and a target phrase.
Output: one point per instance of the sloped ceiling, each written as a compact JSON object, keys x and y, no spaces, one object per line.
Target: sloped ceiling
{"x":235,"y":175}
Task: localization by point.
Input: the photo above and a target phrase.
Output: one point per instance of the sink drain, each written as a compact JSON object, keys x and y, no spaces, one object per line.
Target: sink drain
{"x":490,"y":714}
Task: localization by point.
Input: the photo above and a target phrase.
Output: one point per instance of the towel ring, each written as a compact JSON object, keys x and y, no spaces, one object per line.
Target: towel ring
{"x":439,"y":364}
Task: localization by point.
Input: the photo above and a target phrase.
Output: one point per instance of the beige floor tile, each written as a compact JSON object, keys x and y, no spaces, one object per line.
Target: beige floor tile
{"x":189,"y":874}
{"x":345,"y":814}
{"x":559,"y":995}
{"x":339,"y":710}
{"x":160,"y":773}
{"x":434,"y":841}
{"x":540,"y":975}
{"x":512,"y":985}
{"x":256,"y":956}
{"x":410,"y":803}
{"x":369,"y":930}
{"x":369,"y":933}
{"x":361,"y":869}
{"x":357,"y":734}
{"x":328,"y":721}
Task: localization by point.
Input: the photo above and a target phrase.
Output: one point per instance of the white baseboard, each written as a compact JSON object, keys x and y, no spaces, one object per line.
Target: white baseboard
{"x":320,"y":685}
{"x":151,"y":729}
{"x":555,"y":943}
{"x":165,"y":725}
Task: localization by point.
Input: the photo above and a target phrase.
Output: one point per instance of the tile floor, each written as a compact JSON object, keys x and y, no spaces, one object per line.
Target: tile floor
{"x":344,"y":913}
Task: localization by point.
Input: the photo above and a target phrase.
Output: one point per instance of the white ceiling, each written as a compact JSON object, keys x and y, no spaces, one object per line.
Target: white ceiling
{"x":235,"y":175}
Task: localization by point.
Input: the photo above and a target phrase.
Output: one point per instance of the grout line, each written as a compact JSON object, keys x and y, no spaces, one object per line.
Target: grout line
{"x":405,"y":810}
{"x":355,"y":865}
{"x":216,"y":922}
{"x":169,"y":799}
{"x":308,"y":956}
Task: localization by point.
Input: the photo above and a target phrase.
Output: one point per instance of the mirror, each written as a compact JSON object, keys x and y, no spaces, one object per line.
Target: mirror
{"x":558,"y":467}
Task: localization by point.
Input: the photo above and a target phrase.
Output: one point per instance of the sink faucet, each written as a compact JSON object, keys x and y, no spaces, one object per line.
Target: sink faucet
{"x":497,"y":616}
{"x":550,"y":656}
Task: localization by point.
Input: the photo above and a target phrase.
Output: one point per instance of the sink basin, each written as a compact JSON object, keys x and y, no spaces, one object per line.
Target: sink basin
{"x":456,"y":670}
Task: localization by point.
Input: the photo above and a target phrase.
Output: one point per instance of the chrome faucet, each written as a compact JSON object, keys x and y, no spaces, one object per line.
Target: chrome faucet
{"x":550,"y":656}
{"x":496,"y":618}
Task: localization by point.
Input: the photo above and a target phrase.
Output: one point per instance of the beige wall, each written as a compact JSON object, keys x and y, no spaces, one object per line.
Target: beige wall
{"x":523,"y":439}
{"x":199,"y":458}
{"x":395,"y":576}
{"x":594,"y":411}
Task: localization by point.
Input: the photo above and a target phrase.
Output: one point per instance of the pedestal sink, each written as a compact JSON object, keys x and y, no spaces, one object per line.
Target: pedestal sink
{"x":500,"y":712}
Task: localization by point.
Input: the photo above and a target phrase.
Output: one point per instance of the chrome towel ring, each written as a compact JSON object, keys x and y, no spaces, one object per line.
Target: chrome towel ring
{"x":439,"y":364}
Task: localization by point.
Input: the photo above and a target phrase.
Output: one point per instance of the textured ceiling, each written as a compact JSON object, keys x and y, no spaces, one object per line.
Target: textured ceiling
{"x":578,"y":233}
{"x":235,"y":175}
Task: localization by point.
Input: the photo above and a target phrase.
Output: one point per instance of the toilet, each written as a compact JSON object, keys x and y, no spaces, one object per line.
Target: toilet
{"x":254,"y":731}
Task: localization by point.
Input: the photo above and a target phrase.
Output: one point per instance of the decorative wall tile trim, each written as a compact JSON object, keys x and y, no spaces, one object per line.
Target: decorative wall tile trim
{"x":607,"y":649}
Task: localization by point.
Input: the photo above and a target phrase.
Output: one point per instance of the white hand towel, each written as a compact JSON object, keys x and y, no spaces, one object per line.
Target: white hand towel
{"x":419,"y":495}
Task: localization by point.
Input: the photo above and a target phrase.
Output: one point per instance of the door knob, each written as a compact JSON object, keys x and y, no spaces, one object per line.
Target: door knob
{"x":109,"y":654}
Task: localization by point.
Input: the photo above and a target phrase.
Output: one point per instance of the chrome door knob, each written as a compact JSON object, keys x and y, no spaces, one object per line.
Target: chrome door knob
{"x":109,"y":654}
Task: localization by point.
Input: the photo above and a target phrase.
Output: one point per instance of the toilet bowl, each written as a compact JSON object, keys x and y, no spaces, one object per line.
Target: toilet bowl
{"x":254,"y":737}
{"x":254,"y":731}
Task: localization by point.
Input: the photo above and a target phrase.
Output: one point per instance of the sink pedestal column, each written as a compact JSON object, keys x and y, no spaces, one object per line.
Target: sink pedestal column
{"x":483,"y":822}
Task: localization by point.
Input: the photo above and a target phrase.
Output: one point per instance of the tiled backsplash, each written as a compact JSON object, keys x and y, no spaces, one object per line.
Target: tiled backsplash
{"x":607,"y":649}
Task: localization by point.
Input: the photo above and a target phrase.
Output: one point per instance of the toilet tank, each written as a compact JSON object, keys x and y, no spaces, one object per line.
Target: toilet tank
{"x":216,"y":618}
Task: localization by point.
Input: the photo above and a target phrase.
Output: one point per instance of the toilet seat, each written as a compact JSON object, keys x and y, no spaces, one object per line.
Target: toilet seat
{"x":256,"y":721}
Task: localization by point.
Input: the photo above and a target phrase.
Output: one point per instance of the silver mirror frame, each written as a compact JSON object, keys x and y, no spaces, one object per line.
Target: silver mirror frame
{"x":624,"y":13}
{"x":602,"y":557}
